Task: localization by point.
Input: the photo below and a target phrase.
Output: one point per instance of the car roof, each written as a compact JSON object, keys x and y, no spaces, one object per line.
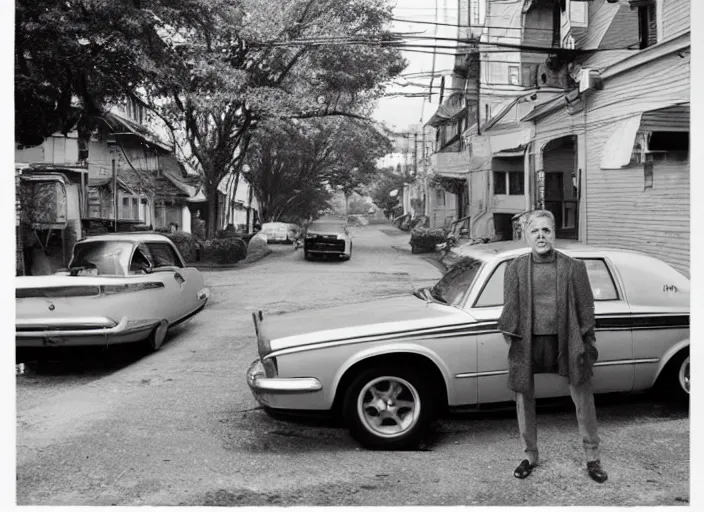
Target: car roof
{"x":135,"y":237}
{"x":509,"y":248}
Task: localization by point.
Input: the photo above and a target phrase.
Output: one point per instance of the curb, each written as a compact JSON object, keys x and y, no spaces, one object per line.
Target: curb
{"x":258,"y":257}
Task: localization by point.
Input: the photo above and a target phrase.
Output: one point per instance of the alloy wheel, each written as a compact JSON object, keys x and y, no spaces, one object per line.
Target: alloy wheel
{"x":389,"y":406}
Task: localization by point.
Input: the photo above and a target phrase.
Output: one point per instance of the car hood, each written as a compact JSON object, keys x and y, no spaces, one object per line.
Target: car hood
{"x":398,"y":315}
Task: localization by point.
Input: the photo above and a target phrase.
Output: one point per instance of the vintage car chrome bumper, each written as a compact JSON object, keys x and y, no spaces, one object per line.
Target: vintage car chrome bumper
{"x":43,"y":332}
{"x":266,"y":389}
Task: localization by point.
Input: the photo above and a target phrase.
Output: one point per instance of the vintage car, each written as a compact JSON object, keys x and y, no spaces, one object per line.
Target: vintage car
{"x":119,"y":288}
{"x":388,"y":366}
{"x":327,"y":238}
{"x":282,"y":232}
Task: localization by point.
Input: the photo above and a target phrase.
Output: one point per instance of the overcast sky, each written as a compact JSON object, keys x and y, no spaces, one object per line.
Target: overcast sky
{"x":400,"y":112}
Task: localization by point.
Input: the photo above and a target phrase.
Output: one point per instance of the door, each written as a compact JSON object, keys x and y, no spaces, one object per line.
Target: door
{"x":614,"y":370}
{"x":184,"y":282}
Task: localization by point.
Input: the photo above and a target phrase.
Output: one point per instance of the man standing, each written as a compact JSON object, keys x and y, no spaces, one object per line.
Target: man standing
{"x":548,"y":320}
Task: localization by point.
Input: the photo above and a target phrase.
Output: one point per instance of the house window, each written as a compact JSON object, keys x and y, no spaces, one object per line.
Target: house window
{"x":440,"y":197}
{"x":647,"y":23}
{"x":578,"y":14}
{"x":514,"y":75}
{"x":129,"y":208}
{"x":509,"y":183}
{"x":648,"y":176}
{"x":515,"y":183}
{"x":474,"y":7}
{"x":500,"y":183}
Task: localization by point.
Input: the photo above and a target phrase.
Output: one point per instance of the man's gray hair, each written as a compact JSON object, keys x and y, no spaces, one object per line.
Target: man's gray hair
{"x":536,"y":214}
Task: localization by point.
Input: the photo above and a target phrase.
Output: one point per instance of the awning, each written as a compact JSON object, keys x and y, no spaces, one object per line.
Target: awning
{"x":520,"y":151}
{"x":123,"y":126}
{"x":451,"y":108}
{"x":619,"y":148}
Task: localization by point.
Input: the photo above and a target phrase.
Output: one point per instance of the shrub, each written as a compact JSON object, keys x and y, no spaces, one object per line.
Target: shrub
{"x":224,"y":250}
{"x":187,"y":245}
{"x":424,"y":239}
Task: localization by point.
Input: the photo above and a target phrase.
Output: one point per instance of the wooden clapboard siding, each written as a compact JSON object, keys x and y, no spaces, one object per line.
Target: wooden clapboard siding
{"x":622,"y":32}
{"x":662,"y":81}
{"x":675,"y":18}
{"x":620,"y":213}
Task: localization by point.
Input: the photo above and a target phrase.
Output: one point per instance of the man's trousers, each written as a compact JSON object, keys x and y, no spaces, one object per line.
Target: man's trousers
{"x":583,"y":399}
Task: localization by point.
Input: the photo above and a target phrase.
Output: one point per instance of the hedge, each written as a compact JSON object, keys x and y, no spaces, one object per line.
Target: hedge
{"x":187,"y":245}
{"x":424,"y":239}
{"x":224,"y":250}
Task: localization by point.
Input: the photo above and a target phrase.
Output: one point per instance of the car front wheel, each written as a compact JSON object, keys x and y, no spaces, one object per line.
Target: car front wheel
{"x":158,"y":335}
{"x":389,"y":408}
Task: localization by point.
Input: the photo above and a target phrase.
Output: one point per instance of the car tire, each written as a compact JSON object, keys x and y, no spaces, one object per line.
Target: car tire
{"x":158,"y":335}
{"x":673,"y":383}
{"x":402,"y":427}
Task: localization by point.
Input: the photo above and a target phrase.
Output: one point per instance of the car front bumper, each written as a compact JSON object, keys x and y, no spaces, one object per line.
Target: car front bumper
{"x":93,"y":332}
{"x":283,"y":393}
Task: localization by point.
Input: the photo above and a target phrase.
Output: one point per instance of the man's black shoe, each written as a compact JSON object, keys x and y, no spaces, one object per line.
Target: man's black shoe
{"x":596,"y":473}
{"x":523,"y":470}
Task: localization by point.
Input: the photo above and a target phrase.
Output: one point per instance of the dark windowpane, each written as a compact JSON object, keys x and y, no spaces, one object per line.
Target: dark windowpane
{"x":163,"y":255}
{"x":499,"y":183}
{"x":515,"y":183}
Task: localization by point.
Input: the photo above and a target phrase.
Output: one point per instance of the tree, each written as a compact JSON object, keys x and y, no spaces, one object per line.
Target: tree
{"x":209,"y":69}
{"x":387,"y":181}
{"x":294,"y":167}
{"x":74,"y":57}
{"x":239,"y":63}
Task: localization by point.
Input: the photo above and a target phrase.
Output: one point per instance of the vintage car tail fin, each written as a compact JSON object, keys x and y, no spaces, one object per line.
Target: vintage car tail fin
{"x":263,"y":341}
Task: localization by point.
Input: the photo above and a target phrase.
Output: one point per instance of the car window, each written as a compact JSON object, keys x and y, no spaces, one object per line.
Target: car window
{"x":603,"y":286}
{"x":140,"y":262}
{"x":455,"y":283}
{"x":600,"y":278}
{"x":163,"y":255}
{"x":493,"y":292}
{"x":101,"y":258}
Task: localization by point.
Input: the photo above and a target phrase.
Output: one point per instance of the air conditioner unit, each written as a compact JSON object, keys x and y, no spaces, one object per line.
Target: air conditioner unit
{"x":590,"y":79}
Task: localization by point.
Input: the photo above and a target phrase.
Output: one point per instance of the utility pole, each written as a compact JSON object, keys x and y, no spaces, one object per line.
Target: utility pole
{"x":114,"y":195}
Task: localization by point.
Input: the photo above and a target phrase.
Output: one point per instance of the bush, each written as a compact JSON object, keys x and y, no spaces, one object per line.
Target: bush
{"x":257,"y":248}
{"x":224,"y":250}
{"x":424,"y":239}
{"x":187,"y":245}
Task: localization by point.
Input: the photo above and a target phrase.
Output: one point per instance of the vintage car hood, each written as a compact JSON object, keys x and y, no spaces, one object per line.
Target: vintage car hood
{"x":374,"y":318}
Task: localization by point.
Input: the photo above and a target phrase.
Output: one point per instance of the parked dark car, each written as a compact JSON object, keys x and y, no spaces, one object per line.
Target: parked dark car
{"x":325,"y":237}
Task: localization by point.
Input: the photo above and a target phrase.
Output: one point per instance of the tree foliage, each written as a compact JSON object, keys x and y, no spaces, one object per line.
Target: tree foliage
{"x":210,"y":69}
{"x":388,"y":180}
{"x":294,"y":167}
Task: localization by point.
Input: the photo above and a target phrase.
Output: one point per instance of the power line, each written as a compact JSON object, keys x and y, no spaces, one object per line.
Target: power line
{"x":483,"y":27}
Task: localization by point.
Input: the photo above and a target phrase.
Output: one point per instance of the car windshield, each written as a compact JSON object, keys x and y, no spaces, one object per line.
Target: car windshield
{"x":453,"y":285}
{"x":327,"y":227}
{"x":105,"y":258}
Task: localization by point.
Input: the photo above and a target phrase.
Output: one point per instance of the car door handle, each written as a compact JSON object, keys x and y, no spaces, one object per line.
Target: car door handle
{"x":179,"y":279}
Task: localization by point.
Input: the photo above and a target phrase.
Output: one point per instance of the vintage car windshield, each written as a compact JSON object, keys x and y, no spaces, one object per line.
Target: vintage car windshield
{"x":103,"y":258}
{"x":453,"y":285}
{"x":327,"y":227}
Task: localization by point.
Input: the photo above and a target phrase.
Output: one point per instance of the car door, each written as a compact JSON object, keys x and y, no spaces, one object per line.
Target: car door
{"x":614,"y":369}
{"x":181,"y":282}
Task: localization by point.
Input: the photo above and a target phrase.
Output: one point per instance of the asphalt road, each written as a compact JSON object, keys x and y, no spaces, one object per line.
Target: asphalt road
{"x":179,"y":427}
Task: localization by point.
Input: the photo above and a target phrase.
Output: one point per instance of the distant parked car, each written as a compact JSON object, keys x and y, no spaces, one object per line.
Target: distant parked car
{"x":283,"y":232}
{"x":119,"y":288}
{"x":388,"y":366}
{"x":327,"y":238}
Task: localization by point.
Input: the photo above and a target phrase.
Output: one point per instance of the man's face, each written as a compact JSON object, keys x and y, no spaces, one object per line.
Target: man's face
{"x":541,"y":235}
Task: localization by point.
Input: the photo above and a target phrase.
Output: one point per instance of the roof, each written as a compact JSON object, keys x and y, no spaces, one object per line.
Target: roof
{"x":130,"y":237}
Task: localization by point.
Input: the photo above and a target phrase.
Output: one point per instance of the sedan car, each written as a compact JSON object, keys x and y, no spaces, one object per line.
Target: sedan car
{"x":327,"y":238}
{"x":388,"y":366}
{"x":282,"y":232}
{"x":119,"y":288}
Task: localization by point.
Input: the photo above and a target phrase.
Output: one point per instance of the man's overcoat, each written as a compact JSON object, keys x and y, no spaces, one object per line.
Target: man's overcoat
{"x":575,"y":321}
